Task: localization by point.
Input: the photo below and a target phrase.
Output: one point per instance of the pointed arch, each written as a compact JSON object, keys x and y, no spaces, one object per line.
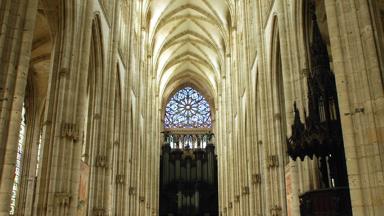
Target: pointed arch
{"x":278,"y":110}
{"x":94,"y":86}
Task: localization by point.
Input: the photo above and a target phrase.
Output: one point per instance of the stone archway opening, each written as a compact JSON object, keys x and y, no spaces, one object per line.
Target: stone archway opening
{"x":188,"y":170}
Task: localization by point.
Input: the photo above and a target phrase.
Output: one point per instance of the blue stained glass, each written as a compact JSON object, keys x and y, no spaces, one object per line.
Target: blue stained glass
{"x":187,"y":109}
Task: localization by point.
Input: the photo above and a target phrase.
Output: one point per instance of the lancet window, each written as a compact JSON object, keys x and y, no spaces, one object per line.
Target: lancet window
{"x":19,"y":157}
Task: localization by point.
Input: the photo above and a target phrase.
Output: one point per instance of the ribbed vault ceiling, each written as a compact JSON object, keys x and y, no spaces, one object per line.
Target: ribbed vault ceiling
{"x":188,"y":40}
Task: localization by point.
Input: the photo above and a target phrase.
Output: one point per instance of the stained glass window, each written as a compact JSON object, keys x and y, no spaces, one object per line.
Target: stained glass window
{"x":20,"y":148}
{"x":187,"y":109}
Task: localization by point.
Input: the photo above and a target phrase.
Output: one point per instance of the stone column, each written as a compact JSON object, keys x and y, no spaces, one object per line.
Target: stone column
{"x":361,"y":100}
{"x":58,"y":182}
{"x":17,"y":27}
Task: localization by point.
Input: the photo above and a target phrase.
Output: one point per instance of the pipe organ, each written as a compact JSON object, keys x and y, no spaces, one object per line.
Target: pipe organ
{"x":188,"y":180}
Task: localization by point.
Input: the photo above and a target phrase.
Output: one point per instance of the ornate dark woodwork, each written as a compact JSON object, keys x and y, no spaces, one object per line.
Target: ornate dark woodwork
{"x":326,"y":202}
{"x":321,"y":135}
{"x":188,"y":179}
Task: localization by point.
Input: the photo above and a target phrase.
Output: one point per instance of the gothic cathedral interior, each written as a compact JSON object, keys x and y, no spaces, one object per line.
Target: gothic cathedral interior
{"x":191,"y":107}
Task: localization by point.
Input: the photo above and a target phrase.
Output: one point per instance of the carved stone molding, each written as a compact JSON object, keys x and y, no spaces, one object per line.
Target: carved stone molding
{"x":276,"y":210}
{"x":101,"y":161}
{"x":273,"y":161}
{"x":120,"y":179}
{"x":62,"y":199}
{"x":99,"y":212}
{"x":132,"y":191}
{"x":256,"y":178}
{"x":245,"y":190}
{"x":70,"y":131}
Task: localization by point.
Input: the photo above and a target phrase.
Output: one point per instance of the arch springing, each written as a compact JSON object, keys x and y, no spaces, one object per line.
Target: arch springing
{"x":187,"y":109}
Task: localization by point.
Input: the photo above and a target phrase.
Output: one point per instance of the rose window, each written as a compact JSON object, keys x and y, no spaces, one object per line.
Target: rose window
{"x":187,"y":109}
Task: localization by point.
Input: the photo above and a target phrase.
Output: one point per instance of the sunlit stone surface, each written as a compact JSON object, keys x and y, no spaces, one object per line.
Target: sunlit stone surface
{"x":86,"y":88}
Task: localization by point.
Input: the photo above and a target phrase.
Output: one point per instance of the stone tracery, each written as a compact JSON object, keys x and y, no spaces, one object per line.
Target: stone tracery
{"x":187,"y":109}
